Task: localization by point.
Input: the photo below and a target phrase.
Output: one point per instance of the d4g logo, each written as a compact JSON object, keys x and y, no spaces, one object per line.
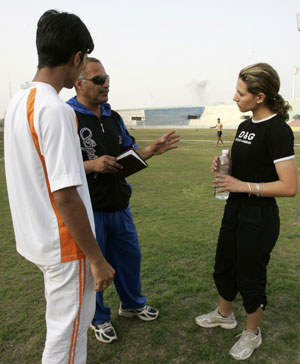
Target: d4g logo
{"x":246,"y":135}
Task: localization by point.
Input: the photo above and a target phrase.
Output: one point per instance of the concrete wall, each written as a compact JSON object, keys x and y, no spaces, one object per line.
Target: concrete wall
{"x":127,"y":114}
{"x":229,"y":114}
{"x":295,"y":108}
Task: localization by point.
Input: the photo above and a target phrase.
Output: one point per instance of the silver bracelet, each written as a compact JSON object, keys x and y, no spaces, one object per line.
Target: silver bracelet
{"x":258,"y":194}
{"x":261,"y":189}
{"x":249,"y":194}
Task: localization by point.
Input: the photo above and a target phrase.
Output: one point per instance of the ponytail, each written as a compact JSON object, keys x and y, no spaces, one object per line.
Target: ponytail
{"x":278,"y":105}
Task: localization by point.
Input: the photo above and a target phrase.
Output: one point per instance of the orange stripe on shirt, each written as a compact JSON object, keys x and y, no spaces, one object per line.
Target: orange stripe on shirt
{"x":69,"y":249}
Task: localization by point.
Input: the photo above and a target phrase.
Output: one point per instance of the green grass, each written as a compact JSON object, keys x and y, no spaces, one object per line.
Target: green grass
{"x":178,"y":221}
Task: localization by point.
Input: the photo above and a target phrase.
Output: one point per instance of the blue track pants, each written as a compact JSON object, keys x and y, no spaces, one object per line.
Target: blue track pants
{"x":117,"y":237}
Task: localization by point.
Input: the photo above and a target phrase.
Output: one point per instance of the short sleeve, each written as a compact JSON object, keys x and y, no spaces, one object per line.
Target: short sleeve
{"x":59,"y":146}
{"x":281,"y":142}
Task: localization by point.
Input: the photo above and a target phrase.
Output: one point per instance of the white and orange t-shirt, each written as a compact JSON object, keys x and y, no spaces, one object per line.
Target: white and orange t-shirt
{"x":42,"y":155}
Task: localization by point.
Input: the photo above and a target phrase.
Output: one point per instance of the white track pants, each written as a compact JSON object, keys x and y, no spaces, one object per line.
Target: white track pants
{"x":70,"y":309}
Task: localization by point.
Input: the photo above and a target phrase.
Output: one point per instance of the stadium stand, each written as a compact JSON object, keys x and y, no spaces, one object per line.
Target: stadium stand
{"x":165,"y":117}
{"x":174,"y":116}
{"x":195,"y":117}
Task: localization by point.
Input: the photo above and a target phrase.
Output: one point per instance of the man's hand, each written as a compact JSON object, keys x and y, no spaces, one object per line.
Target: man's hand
{"x":165,"y":143}
{"x":103,"y":164}
{"x":103,"y":274}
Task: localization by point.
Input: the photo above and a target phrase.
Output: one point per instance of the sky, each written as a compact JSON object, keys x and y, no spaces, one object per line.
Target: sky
{"x":162,"y":53}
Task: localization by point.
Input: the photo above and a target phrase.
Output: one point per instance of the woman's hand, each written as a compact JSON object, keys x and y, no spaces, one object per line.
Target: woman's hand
{"x":215,"y":164}
{"x":229,"y":183}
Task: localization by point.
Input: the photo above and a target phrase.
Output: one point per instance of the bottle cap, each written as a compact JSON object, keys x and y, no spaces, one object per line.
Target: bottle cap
{"x":225,"y":151}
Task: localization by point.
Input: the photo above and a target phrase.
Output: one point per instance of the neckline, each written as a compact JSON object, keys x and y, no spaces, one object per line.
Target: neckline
{"x":261,"y":120}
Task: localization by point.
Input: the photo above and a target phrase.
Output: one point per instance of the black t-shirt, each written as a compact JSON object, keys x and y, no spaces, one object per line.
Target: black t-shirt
{"x":258,"y":146}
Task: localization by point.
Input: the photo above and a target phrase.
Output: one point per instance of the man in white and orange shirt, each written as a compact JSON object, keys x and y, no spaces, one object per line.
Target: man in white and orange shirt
{"x":47,"y":189}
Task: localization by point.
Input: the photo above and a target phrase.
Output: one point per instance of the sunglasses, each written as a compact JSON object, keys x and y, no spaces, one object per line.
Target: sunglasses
{"x":98,"y":80}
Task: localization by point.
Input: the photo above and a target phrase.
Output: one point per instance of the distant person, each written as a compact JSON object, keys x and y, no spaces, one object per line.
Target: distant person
{"x":219,"y":127}
{"x":263,"y":167}
{"x":48,"y":194}
{"x":103,"y":136}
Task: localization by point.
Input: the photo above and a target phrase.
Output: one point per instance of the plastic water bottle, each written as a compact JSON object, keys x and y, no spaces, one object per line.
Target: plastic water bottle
{"x":224,"y":168}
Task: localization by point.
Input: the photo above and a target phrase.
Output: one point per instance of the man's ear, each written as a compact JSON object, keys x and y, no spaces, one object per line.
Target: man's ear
{"x":78,"y":84}
{"x":77,"y":58}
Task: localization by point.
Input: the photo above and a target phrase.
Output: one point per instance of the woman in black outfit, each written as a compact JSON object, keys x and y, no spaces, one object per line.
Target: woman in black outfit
{"x":263,"y":167}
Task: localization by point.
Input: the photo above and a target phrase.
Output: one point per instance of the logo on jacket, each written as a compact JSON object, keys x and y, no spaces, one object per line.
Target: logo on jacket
{"x":245,"y":137}
{"x":88,"y":143}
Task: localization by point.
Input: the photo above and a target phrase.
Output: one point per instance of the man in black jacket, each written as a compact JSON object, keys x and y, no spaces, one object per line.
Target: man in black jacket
{"x":103,"y":136}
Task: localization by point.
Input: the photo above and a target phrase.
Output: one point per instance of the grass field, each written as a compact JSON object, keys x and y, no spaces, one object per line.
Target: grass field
{"x":178,"y":221}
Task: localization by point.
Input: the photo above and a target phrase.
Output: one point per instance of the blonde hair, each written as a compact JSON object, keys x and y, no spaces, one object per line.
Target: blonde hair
{"x":261,"y":77}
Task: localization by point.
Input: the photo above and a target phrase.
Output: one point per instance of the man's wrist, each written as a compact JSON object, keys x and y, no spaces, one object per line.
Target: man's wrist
{"x":151,"y":150}
{"x":97,"y":257}
{"x":89,"y":166}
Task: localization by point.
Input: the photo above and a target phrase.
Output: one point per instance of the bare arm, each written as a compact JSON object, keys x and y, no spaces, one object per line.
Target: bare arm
{"x":160,"y":146}
{"x":286,"y":186}
{"x":74,"y":215}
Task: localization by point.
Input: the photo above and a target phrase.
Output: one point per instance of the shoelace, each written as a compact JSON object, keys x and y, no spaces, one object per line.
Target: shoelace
{"x":244,"y":336}
{"x":143,"y":309}
{"x":105,"y":326}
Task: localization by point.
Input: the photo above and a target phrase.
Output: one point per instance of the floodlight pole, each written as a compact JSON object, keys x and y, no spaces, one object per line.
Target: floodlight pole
{"x":296,"y":69}
{"x":10,"y":93}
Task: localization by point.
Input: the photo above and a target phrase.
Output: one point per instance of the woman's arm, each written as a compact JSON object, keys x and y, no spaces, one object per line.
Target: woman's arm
{"x":286,"y":186}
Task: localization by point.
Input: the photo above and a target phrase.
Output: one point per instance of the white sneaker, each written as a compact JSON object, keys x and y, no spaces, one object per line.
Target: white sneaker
{"x":214,"y":319}
{"x":245,"y":346}
{"x":146,"y":313}
{"x":105,"y":332}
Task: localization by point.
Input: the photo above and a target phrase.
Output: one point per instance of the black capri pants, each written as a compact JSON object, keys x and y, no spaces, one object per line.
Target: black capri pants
{"x":249,"y":231}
